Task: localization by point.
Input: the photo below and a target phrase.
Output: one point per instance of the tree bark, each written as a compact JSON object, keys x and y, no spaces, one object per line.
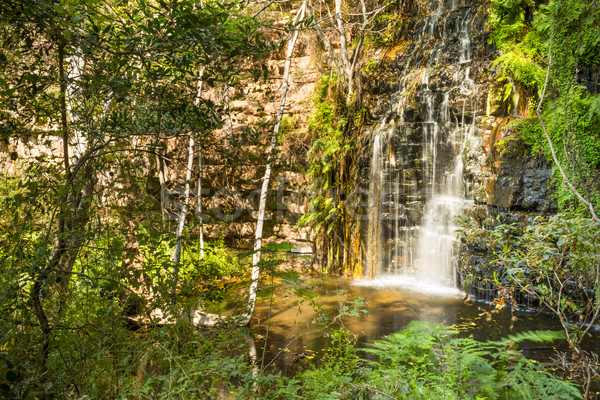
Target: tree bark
{"x":176,"y":256}
{"x":345,"y":64}
{"x":199,"y":193}
{"x":199,"y":205}
{"x":162,"y":171}
{"x":75,"y":202}
{"x":266,"y":179}
{"x":329,"y":48}
{"x":344,"y":48}
{"x":39,"y":283}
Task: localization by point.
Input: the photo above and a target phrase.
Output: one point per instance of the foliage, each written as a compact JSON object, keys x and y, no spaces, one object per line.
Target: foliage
{"x":99,"y":348}
{"x":585,"y":157}
{"x":508,"y":21}
{"x":426,"y":361}
{"x":527,"y":34}
{"x":521,"y":47}
{"x":327,"y":123}
{"x":337,"y":367}
{"x":588,"y":145}
{"x":553,"y":261}
{"x":219,"y":261}
{"x":102,"y":85}
{"x":387,"y":24}
{"x":164,"y":363}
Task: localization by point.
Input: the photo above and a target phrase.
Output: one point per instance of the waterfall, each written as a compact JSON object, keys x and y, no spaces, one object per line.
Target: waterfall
{"x":415,"y":182}
{"x":375,"y":189}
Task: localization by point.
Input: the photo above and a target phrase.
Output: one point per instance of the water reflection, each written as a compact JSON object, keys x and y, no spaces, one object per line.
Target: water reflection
{"x":295,"y":333}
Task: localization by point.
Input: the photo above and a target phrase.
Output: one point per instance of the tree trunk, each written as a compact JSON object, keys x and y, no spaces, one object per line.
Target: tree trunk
{"x":76,"y":65}
{"x":329,"y":48}
{"x":162,"y":171}
{"x":176,"y":256}
{"x":75,"y":203}
{"x":59,"y":245}
{"x":199,"y":195}
{"x":199,"y":205}
{"x":265,"y":185}
{"x":344,"y":49}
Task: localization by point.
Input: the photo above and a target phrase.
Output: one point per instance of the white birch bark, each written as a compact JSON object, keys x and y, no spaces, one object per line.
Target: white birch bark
{"x":162,"y":171}
{"x":199,"y":205}
{"x":245,"y":319}
{"x":346,"y":65}
{"x":329,"y":47}
{"x":343,"y":45}
{"x":176,"y":256}
{"x":75,"y":66}
{"x":199,"y":193}
{"x":356,"y":53}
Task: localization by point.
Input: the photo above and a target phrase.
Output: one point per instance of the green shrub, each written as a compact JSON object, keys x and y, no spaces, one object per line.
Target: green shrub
{"x":553,"y":262}
{"x":429,"y":361}
{"x":219,"y":262}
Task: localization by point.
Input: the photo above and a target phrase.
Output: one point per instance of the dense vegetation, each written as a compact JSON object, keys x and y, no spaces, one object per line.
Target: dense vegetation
{"x":96,"y":300}
{"x":546,"y":52}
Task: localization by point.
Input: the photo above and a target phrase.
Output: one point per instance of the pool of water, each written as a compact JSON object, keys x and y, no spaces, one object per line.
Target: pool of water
{"x":391,"y":303}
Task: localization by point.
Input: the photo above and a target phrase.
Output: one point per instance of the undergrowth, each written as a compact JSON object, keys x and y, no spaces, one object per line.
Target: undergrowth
{"x":429,"y":361}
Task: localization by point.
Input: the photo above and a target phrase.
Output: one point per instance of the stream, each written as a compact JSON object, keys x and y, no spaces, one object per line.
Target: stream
{"x":391,"y":303}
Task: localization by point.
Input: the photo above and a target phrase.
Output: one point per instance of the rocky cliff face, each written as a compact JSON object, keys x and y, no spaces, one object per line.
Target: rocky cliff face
{"x":233,"y":171}
{"x":233,"y":164}
{"x":439,"y":119}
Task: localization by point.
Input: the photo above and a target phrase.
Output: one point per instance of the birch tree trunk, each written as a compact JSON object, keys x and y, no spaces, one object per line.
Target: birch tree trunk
{"x":328,"y":46}
{"x":74,"y":205}
{"x":36,"y":294}
{"x":199,"y":205}
{"x":76,"y":65}
{"x":199,"y":193}
{"x":344,"y":48}
{"x":346,"y":64}
{"x":245,"y":319}
{"x":176,"y":256}
{"x":163,"y":171}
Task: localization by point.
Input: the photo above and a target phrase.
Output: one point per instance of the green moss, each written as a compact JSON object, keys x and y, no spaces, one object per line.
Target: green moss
{"x":525,"y":34}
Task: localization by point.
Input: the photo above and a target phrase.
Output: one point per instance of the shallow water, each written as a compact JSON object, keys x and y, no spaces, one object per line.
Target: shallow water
{"x":392,"y":302}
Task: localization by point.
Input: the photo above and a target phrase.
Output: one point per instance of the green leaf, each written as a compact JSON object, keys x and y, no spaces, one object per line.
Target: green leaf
{"x":11,"y":376}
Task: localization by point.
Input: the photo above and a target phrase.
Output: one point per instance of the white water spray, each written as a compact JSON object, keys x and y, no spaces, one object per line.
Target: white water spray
{"x":413,"y":204}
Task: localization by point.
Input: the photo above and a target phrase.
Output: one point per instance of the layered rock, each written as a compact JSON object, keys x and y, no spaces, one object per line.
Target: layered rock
{"x":427,"y":109}
{"x":436,"y":101}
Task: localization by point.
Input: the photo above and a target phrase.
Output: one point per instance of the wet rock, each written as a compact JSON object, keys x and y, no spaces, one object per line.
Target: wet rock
{"x":520,"y":181}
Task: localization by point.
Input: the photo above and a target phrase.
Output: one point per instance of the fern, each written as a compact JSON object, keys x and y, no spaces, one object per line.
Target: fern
{"x":533,"y":336}
{"x":527,"y":381}
{"x":594,"y":112}
{"x":431,"y":362}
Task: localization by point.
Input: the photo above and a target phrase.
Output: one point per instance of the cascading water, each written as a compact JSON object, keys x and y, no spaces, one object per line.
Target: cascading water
{"x":415,"y":186}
